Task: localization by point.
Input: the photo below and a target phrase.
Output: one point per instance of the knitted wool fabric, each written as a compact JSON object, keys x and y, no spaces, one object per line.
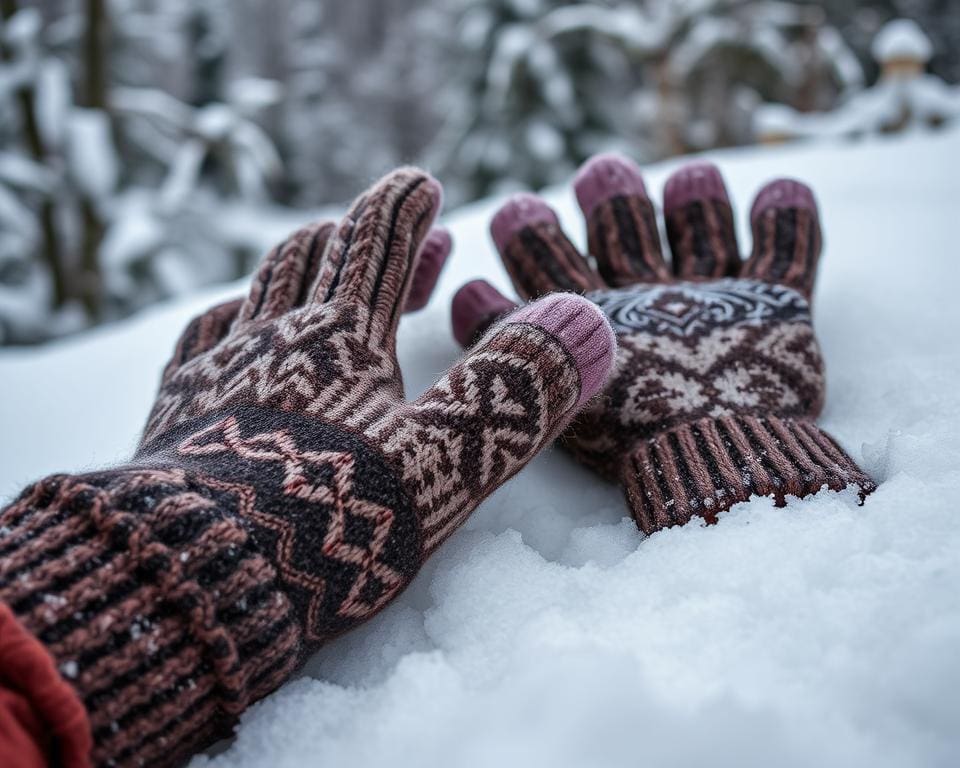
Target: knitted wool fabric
{"x":284,"y":491}
{"x":719,"y":376}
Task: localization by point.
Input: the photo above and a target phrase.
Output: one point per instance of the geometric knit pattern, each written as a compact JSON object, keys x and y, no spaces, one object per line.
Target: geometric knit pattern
{"x":283,"y":491}
{"x":719,"y":376}
{"x":692,"y":349}
{"x":477,"y":426}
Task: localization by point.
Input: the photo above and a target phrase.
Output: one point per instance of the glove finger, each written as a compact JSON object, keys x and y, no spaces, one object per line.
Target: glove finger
{"x":204,"y":332}
{"x":786,"y":236}
{"x":495,"y":409}
{"x":314,"y":261}
{"x":700,"y":225}
{"x":535,"y":251}
{"x":621,"y":221}
{"x":430,"y":262}
{"x":475,"y":307}
{"x":286,"y":272}
{"x":370,"y":257}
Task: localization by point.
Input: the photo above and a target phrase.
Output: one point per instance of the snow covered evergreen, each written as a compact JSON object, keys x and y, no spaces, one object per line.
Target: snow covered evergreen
{"x":114,"y":190}
{"x":143,"y":143}
{"x":551,"y":83}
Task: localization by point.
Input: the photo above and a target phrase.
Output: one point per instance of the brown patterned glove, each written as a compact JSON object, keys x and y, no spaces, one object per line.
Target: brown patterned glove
{"x":284,"y":491}
{"x":719,"y":376}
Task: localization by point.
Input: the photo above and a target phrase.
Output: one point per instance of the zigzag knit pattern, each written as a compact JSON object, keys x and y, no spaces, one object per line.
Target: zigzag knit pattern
{"x":284,"y":491}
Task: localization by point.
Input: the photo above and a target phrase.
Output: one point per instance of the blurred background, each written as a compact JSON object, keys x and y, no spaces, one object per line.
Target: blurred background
{"x":149,"y":147}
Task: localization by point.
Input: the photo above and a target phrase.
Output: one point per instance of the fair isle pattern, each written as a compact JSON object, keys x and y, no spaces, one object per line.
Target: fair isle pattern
{"x":686,"y":309}
{"x":701,"y":353}
{"x":483,"y":421}
{"x":316,"y":360}
{"x":245,"y":533}
{"x":260,"y":533}
{"x":706,"y":340}
{"x":283,"y":491}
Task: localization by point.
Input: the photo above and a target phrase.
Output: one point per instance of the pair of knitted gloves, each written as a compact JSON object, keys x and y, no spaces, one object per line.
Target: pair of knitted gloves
{"x":284,"y":491}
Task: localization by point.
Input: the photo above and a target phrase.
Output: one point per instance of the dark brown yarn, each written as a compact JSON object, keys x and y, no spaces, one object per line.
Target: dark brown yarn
{"x":702,"y":240}
{"x":622,"y":235}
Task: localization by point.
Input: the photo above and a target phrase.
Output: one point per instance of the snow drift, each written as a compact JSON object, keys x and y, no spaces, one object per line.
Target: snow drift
{"x":549,"y":631}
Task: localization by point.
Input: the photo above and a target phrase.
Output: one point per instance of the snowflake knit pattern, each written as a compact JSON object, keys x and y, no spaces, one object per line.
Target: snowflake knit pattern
{"x":719,"y":376}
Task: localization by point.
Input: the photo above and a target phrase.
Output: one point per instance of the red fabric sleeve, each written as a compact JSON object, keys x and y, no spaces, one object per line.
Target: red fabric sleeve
{"x":42,"y":720}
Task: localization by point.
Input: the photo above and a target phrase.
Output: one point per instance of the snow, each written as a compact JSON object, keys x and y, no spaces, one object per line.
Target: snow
{"x":921,"y":101}
{"x":53,"y":100}
{"x":23,"y":27}
{"x":91,"y":154}
{"x":902,"y":39}
{"x":549,"y":632}
{"x":252,"y":94}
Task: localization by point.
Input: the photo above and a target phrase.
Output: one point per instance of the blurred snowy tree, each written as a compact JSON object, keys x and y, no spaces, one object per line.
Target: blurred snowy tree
{"x":132,"y":130}
{"x":361,"y":89}
{"x":904,"y":98}
{"x":542,"y":84}
{"x":533,"y":88}
{"x":113,"y":190}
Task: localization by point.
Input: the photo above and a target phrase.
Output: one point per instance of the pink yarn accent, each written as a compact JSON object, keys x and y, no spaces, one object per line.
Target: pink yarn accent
{"x":605,"y":176}
{"x":433,"y":255}
{"x":695,"y":181}
{"x":475,"y":304}
{"x":521,"y":210}
{"x":783,"y":193}
{"x":584,"y":331}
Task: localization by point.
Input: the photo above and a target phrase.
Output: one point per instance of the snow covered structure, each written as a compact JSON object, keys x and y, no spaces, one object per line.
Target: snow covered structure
{"x":905,"y":96}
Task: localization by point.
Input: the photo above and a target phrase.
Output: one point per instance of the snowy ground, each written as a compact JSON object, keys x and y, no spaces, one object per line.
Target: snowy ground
{"x":549,"y":631}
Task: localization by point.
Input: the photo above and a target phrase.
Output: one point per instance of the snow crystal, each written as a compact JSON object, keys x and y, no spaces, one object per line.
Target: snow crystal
{"x":69,"y":669}
{"x":549,"y":631}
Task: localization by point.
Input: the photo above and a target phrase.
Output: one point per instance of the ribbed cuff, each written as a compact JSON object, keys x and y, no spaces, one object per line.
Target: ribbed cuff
{"x":148,"y":592}
{"x":704,"y":467}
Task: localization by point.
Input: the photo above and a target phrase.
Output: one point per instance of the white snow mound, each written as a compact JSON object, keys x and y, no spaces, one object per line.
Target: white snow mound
{"x":902,"y":39}
{"x":549,"y":632}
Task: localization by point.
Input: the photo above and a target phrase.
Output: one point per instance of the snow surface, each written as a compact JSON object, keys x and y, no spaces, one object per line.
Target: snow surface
{"x":549,"y":632}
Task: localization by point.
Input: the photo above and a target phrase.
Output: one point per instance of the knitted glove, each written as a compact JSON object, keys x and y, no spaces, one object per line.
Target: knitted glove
{"x":719,"y":377}
{"x":284,"y":491}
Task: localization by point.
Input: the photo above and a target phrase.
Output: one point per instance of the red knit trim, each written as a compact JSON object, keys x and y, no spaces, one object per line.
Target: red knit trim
{"x":35,"y":701}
